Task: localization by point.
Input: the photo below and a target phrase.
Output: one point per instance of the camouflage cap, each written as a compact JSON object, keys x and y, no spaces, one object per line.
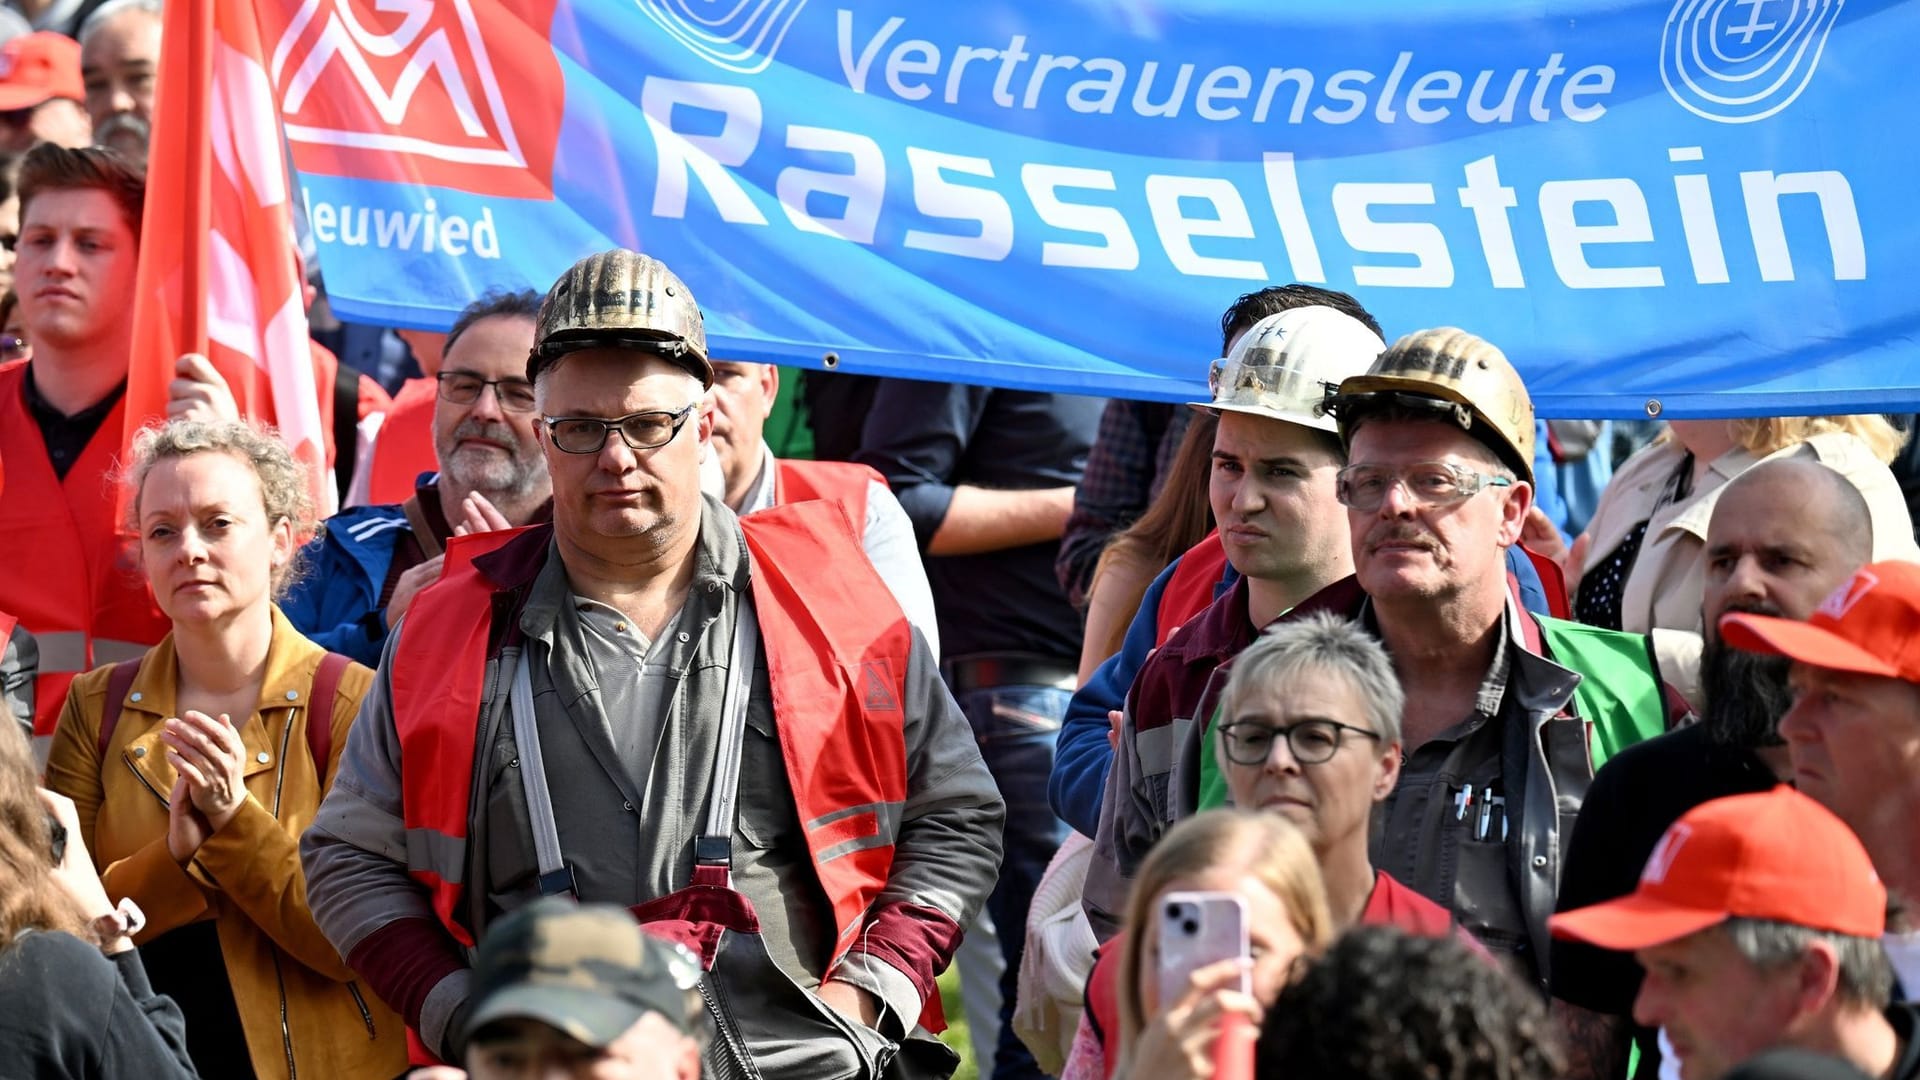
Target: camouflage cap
{"x":587,"y":970}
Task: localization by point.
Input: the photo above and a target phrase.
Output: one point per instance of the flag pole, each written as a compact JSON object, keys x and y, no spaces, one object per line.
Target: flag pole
{"x":196,"y":212}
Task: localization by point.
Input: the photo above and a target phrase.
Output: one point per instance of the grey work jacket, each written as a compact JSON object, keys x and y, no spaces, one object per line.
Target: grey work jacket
{"x":627,"y":827}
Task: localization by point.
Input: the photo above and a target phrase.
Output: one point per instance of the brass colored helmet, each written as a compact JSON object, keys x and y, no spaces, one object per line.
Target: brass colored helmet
{"x":1283,"y":365}
{"x":621,"y":299}
{"x":1460,"y":369}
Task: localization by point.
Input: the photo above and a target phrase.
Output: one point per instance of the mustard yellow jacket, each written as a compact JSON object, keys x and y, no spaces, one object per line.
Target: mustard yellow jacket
{"x":302,"y":1013}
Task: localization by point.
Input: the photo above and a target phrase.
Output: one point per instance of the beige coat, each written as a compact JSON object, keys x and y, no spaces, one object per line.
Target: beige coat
{"x":302,"y":1013}
{"x":1663,"y":590}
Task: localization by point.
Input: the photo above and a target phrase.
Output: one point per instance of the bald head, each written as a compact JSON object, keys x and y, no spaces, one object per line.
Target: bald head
{"x":1784,"y":534}
{"x":1812,"y":495}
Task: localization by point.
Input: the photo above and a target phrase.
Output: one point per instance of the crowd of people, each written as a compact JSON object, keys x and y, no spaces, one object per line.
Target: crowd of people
{"x":610,"y":731}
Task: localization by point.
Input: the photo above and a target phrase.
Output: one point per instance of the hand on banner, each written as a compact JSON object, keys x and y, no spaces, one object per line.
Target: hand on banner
{"x":478,"y":515}
{"x":198,"y":392}
{"x":411,"y":582}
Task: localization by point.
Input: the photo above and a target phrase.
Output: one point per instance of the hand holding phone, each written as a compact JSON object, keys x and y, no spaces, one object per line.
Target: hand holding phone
{"x":1198,"y":929}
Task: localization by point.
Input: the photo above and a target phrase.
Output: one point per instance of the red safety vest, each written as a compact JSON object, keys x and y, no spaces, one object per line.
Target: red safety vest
{"x":1190,"y":590}
{"x":836,"y":647}
{"x":833,"y":481}
{"x":71,"y":577}
{"x":404,"y":448}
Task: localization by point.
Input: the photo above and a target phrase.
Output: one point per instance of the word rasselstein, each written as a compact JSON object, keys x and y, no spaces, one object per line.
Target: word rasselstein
{"x":1268,"y":224}
{"x":1012,"y":77}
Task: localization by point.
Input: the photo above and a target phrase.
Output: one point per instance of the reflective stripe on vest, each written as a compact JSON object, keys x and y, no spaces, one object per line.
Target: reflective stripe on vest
{"x":836,"y":658}
{"x":62,"y":652}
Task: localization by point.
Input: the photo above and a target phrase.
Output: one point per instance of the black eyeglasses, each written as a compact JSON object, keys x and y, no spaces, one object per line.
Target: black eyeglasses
{"x":640,"y":431}
{"x":1312,"y":742}
{"x":463,"y":388}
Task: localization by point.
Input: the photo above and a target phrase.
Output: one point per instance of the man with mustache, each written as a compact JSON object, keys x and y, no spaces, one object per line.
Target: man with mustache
{"x":119,"y":68}
{"x":1783,"y":535}
{"x":373,"y":560}
{"x":1506,"y":713}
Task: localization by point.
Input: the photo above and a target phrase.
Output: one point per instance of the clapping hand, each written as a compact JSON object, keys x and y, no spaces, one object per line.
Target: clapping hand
{"x":210,"y":759}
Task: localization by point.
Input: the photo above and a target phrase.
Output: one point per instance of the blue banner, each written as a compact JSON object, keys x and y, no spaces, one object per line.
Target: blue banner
{"x":1675,"y":207}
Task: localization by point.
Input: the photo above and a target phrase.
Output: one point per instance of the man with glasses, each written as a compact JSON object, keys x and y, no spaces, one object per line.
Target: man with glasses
{"x":724,"y":724}
{"x":373,"y":560}
{"x":1507,"y":714}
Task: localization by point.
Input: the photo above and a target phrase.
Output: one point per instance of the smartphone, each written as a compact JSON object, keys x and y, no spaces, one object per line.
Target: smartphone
{"x":1198,"y":929}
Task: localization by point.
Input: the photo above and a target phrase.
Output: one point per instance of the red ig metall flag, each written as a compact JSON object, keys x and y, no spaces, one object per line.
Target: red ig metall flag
{"x":219,"y":271}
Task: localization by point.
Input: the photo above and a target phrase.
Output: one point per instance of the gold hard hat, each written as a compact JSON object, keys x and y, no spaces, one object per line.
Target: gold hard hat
{"x":1464,"y":370}
{"x":621,"y":299}
{"x":1283,"y":365}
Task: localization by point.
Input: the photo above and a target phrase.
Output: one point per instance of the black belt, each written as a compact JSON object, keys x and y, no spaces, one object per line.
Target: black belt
{"x":983,"y":671}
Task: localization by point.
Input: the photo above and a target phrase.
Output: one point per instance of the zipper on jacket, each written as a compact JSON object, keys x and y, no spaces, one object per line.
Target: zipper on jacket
{"x":366,"y":1016}
{"x":286,"y":1032}
{"x":145,"y":783}
{"x":280,"y":767}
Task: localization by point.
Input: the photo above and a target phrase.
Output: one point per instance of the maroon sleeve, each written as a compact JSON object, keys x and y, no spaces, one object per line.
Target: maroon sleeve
{"x":913,"y":938}
{"x":404,"y":960}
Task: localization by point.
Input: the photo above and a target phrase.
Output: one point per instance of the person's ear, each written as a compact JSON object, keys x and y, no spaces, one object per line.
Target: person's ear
{"x":1388,"y":775}
{"x":1816,"y":977}
{"x":1513,"y":511}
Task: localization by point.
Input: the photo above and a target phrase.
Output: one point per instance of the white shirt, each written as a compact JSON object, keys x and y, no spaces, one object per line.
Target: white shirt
{"x":889,"y":542}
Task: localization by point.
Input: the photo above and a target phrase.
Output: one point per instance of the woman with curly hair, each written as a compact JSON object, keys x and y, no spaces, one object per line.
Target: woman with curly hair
{"x":194,"y":769}
{"x":1388,"y":1005}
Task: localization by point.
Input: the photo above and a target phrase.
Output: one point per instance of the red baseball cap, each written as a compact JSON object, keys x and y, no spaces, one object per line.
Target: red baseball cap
{"x":1870,"y":626}
{"x":1778,"y":856}
{"x":38,"y":67}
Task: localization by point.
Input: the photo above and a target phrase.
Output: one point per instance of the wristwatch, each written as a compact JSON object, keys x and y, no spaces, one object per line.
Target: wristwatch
{"x":125,"y":920}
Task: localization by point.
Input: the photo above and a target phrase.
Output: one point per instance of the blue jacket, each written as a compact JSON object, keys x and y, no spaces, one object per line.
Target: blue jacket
{"x":1082,"y":754}
{"x":337,"y":601}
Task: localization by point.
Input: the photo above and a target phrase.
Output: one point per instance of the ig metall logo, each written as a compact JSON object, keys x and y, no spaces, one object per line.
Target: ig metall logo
{"x":1737,"y":61}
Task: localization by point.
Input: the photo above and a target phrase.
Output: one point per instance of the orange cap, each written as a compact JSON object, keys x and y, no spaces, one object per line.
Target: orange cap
{"x":1778,"y":856}
{"x":37,"y":67}
{"x":1870,"y":626}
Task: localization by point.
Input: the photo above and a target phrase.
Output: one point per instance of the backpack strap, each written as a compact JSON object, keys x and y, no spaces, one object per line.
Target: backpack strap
{"x":326,"y":684}
{"x":119,"y":681}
